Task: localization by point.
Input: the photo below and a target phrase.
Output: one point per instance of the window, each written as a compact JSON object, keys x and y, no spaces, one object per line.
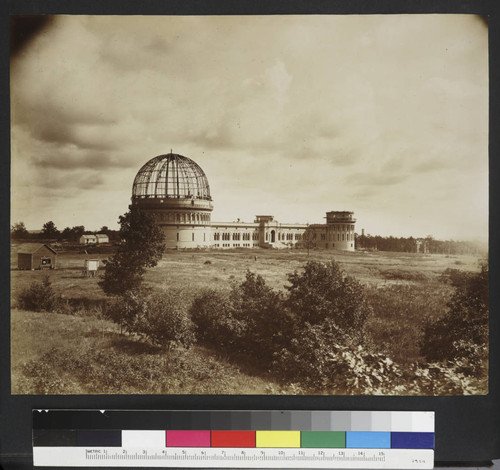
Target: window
{"x":192,"y":237}
{"x":177,"y":236}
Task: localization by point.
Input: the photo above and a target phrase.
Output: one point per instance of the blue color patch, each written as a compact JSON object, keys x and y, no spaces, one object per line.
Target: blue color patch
{"x":412,"y":440}
{"x":368,"y":440}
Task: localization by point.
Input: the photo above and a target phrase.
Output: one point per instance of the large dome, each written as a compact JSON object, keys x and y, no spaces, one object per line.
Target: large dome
{"x":171,"y":176}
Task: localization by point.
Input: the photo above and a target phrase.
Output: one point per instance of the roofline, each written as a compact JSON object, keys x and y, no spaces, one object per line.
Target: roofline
{"x":40,"y":246}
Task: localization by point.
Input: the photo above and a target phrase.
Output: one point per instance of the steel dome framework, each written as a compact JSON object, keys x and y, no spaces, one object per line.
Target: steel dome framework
{"x":171,"y":176}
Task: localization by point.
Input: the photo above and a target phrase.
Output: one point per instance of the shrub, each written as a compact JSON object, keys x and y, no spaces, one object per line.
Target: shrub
{"x":399,"y":313}
{"x":249,"y":318}
{"x":215,"y":324}
{"x":166,"y":322}
{"x":161,"y":318}
{"x":325,"y":359}
{"x":455,"y":277}
{"x":324,"y":291}
{"x":38,"y":296}
{"x":462,"y":333}
{"x":268,"y":325}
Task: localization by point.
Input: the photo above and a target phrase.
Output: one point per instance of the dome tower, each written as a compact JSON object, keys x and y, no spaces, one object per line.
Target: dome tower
{"x":175,"y":189}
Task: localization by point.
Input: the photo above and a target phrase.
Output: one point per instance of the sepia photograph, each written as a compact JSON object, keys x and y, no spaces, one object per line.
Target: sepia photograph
{"x":249,"y":205}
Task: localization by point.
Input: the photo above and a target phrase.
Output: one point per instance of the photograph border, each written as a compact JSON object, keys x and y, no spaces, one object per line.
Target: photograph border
{"x":465,"y":425}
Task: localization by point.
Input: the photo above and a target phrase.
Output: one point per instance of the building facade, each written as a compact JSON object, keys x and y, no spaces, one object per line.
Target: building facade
{"x":176,"y":191}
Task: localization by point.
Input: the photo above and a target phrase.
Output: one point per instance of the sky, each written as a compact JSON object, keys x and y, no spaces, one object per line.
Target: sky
{"x":292,"y":116}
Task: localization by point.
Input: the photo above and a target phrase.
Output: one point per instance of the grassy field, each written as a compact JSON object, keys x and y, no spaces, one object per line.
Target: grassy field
{"x":217,"y":268}
{"x":82,"y":347}
{"x":55,"y":353}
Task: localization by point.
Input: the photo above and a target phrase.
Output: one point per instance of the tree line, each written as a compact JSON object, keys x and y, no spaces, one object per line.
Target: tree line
{"x":413,"y":245}
{"x":49,"y":230}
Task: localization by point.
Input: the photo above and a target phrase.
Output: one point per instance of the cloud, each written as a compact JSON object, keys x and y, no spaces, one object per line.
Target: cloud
{"x":293,"y":115}
{"x":376,"y":179}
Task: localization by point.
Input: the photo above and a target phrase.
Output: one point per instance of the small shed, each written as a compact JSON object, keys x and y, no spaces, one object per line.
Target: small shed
{"x":36,"y":256}
{"x":88,"y":240}
{"x":102,"y":238}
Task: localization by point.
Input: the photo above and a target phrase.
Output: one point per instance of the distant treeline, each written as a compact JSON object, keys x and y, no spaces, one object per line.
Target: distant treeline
{"x":422,"y":245}
{"x":49,"y":231}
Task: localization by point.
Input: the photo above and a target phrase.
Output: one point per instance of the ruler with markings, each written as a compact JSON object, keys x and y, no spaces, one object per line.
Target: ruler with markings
{"x":233,"y":439}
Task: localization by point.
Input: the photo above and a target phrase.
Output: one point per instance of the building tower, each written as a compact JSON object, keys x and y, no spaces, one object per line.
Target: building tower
{"x":340,"y":230}
{"x":175,"y":189}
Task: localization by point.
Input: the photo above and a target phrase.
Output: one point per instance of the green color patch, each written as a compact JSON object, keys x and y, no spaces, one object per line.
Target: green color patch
{"x":322,"y":439}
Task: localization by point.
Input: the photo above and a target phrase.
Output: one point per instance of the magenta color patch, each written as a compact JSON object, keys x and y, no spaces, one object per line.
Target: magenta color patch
{"x":188,"y":438}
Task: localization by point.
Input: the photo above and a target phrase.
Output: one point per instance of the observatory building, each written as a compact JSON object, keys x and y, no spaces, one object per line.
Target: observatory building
{"x":176,"y":191}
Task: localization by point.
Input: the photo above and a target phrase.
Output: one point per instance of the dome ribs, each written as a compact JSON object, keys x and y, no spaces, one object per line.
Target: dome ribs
{"x":171,"y":176}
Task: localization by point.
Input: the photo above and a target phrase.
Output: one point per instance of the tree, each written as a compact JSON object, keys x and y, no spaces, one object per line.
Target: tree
{"x":308,"y":241}
{"x":324,"y":293}
{"x":77,"y":232}
{"x":74,"y":233}
{"x":142,"y":247}
{"x":18,"y":230}
{"x":49,"y":229}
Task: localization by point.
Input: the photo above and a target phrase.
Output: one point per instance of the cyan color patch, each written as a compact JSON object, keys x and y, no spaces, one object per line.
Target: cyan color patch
{"x":368,"y":440}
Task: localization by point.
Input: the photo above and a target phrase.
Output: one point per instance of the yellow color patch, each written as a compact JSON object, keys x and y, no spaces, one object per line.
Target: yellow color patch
{"x":277,"y":439}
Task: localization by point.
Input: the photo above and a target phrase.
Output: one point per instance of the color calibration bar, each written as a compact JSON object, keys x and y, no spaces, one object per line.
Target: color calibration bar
{"x":239,"y":439}
{"x":227,"y":440}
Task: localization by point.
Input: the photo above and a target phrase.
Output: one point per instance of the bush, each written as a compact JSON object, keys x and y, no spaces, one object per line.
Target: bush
{"x":250,"y":318}
{"x":325,"y":359}
{"x":268,"y":325}
{"x":161,"y":318}
{"x":399,"y":313}
{"x":215,"y":324}
{"x":324,"y":291}
{"x":39,"y":296}
{"x":462,"y":333}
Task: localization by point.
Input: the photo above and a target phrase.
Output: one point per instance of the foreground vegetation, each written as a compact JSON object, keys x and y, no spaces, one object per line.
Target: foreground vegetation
{"x":265,"y":331}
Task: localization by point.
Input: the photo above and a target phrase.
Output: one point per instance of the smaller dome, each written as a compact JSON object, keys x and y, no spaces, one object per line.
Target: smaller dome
{"x":171,"y":176}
